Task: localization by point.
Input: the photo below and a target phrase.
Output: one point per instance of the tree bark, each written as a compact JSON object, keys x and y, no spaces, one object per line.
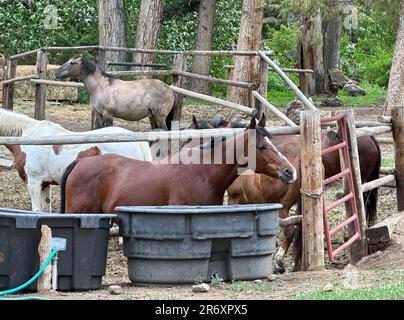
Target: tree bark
{"x":249,"y":39}
{"x":112,"y":28}
{"x":201,"y":64}
{"x":395,"y":94}
{"x":148,"y":27}
{"x":311,"y":56}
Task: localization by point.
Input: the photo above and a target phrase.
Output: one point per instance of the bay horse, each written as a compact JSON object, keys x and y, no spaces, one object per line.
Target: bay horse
{"x":258,"y":188}
{"x":99,"y":184}
{"x":128,"y":100}
{"x":41,"y":166}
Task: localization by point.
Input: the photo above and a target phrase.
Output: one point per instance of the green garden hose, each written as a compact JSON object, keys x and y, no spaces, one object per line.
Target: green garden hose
{"x":9,"y":291}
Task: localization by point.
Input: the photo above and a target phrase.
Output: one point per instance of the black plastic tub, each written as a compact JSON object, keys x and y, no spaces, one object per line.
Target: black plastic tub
{"x":184,"y":244}
{"x":80,"y":267}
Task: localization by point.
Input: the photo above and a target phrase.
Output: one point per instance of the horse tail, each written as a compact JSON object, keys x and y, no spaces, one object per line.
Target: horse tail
{"x":370,"y":197}
{"x":66,"y":174}
{"x":13,"y":123}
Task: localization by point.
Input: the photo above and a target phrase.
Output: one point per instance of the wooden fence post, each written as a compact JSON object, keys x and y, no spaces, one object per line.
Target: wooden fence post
{"x":44,"y":250}
{"x":180,"y":63}
{"x":359,"y":248}
{"x":40,"y":89}
{"x":262,"y":86}
{"x":229,"y":77}
{"x":8,"y":89}
{"x":397,"y":119}
{"x":96,"y":120}
{"x":312,"y":191}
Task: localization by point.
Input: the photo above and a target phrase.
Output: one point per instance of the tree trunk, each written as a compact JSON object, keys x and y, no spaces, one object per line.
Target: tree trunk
{"x":311,"y":56}
{"x":201,"y":64}
{"x":395,"y":94}
{"x":331,"y":47}
{"x":249,"y":39}
{"x":112,"y":28}
{"x":148,"y":27}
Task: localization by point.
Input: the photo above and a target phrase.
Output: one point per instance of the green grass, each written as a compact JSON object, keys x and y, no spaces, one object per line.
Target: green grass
{"x":387,"y":162}
{"x":390,"y":292}
{"x":373,"y":97}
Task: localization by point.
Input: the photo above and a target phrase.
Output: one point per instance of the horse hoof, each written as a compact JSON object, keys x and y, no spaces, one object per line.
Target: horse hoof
{"x":278,"y":269}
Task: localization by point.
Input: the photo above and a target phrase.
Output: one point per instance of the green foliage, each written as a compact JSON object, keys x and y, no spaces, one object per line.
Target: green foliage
{"x":366,"y":53}
{"x":373,"y":97}
{"x":24,"y":29}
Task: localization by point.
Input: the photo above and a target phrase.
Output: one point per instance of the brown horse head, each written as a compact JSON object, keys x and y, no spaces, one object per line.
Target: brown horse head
{"x":269,"y":160}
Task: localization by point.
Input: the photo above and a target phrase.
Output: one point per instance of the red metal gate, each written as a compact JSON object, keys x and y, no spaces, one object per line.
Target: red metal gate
{"x":346,"y":172}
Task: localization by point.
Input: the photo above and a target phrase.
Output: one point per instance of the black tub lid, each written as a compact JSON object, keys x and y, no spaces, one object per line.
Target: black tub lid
{"x":184,"y":209}
{"x":29,"y":219}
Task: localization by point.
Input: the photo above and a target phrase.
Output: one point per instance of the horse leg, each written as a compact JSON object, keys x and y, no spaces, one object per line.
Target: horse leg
{"x":288,"y":236}
{"x":108,"y":120}
{"x":153,"y":122}
{"x":159,"y":119}
{"x":38,"y":196}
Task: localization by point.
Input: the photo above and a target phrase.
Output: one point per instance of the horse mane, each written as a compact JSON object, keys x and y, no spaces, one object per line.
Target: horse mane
{"x":13,"y":124}
{"x":89,"y":67}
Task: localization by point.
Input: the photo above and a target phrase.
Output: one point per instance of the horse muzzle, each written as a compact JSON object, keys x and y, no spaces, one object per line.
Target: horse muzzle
{"x":61,"y":74}
{"x":287,"y":175}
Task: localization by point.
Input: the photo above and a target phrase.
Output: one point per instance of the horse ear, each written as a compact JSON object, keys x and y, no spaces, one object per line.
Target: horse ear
{"x":263,"y":121}
{"x":210,"y":126}
{"x":253,"y":123}
{"x":229,"y":125}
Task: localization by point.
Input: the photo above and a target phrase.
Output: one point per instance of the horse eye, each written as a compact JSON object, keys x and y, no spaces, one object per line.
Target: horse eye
{"x":73,"y":62}
{"x":261,"y":147}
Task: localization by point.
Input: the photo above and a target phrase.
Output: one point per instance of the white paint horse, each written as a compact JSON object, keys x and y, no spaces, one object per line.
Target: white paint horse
{"x":42,"y":166}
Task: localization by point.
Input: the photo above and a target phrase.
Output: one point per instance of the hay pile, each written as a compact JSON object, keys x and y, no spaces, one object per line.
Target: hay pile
{"x":26,"y":91}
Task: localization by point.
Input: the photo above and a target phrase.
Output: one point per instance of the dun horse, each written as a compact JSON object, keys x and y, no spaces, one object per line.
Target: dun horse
{"x":43,"y":165}
{"x":101,"y":183}
{"x":258,"y":188}
{"x":128,"y":100}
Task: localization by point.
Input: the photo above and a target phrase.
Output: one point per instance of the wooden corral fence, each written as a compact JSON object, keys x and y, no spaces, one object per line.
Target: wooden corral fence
{"x":257,"y":90}
{"x":312,"y":172}
{"x":2,"y":72}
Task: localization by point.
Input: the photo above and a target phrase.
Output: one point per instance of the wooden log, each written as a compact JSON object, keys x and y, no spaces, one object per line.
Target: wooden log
{"x":67,"y":49}
{"x":378,"y":182}
{"x":17,"y":79}
{"x":218,"y":101}
{"x":262,"y":88}
{"x":287,"y":70}
{"x":372,"y":131}
{"x":157,"y":73}
{"x":384,"y":119}
{"x":312,"y":191}
{"x":44,"y":250}
{"x":40,"y":89}
{"x":382,"y":232}
{"x":58,"y":83}
{"x":274,"y":109}
{"x":387,"y":170}
{"x":384,"y":140}
{"x":229,"y":77}
{"x":8,"y":97}
{"x":358,"y":248}
{"x":180,"y":64}
{"x":397,"y":119}
{"x":135,"y":64}
{"x":307,"y":103}
{"x":290,"y":221}
{"x":137,"y":136}
{"x":24,"y":54}
{"x":214,"y":80}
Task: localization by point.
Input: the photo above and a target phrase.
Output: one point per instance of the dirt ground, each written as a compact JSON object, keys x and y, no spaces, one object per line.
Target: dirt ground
{"x":381,"y":268}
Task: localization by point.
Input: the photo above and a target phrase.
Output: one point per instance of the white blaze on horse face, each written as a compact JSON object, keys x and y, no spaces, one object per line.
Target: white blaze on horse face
{"x":294,"y":174}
